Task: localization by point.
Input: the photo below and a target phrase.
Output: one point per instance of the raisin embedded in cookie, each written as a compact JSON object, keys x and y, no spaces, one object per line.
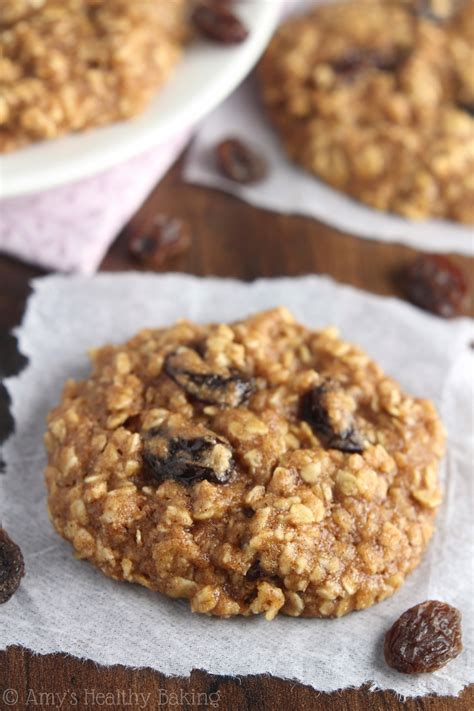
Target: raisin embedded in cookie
{"x":256,"y":467}
{"x":378,"y":100}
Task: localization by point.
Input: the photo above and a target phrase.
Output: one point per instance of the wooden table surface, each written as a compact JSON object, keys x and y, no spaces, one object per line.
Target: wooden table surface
{"x":230,"y":239}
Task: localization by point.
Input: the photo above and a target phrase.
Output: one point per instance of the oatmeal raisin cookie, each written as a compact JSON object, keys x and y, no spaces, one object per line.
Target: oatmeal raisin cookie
{"x":378,"y":101}
{"x":256,"y":467}
{"x":69,"y":65}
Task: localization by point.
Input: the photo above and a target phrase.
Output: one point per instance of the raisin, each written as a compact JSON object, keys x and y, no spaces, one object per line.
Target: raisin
{"x":348,"y":441}
{"x":432,"y":11}
{"x":190,"y":372}
{"x":240,"y":163}
{"x":435,"y":284}
{"x":133,"y":423}
{"x":216,"y":22}
{"x":257,"y":572}
{"x":12,"y":566}
{"x":248,"y":512}
{"x":314,"y":410}
{"x":357,"y":60}
{"x":187,"y":459}
{"x":468,"y":108}
{"x":254,"y":572}
{"x":168,"y":237}
{"x":424,"y":638}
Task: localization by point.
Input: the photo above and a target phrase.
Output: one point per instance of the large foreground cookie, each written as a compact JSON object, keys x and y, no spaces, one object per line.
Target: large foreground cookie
{"x":256,"y":467}
{"x":377,"y":101}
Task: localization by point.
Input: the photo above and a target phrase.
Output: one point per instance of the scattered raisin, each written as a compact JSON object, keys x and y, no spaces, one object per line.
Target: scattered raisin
{"x":12,"y":566}
{"x":424,"y":638}
{"x":314,"y":410}
{"x":434,"y":283}
{"x":168,"y":237}
{"x":187,"y":459}
{"x":190,"y":371}
{"x":240,"y":163}
{"x":216,"y":22}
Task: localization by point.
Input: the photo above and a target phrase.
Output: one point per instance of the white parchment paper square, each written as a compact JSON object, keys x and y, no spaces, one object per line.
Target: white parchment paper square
{"x":66,"y":605}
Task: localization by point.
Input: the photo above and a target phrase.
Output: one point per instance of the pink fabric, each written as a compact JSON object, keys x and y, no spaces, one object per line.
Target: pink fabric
{"x":70,"y":228}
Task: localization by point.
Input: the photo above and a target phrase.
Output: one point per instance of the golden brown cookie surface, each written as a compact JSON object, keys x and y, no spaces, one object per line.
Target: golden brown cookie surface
{"x":68,"y":65}
{"x":255,"y":467}
{"x":377,"y":100}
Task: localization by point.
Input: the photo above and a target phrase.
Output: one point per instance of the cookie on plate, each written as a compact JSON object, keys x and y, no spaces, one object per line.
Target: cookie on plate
{"x":68,"y":65}
{"x":256,"y":467}
{"x":378,"y":100}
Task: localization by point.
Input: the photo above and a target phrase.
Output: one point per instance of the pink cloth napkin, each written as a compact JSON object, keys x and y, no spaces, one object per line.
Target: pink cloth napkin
{"x":70,"y":228}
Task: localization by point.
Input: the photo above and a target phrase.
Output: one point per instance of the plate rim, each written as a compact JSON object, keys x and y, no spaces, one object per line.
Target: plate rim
{"x":64,"y":173}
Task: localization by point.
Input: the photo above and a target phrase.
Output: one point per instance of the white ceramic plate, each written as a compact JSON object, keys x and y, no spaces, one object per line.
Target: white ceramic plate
{"x":207,"y":73}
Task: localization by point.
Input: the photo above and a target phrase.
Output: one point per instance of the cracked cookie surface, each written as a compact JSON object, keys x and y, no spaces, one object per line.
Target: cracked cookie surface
{"x":256,"y":467}
{"x":377,"y":100}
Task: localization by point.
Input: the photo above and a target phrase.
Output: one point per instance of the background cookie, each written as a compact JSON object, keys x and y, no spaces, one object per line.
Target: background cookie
{"x":68,"y":65}
{"x":377,"y":100}
{"x":252,"y":468}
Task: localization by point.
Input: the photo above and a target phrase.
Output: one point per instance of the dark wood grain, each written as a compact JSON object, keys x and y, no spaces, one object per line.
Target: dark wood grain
{"x":236,"y":240}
